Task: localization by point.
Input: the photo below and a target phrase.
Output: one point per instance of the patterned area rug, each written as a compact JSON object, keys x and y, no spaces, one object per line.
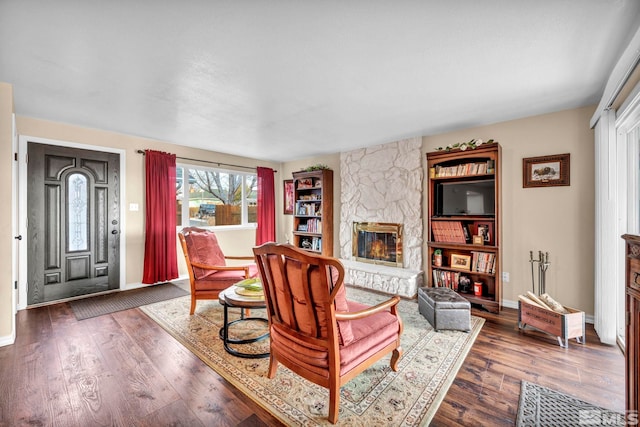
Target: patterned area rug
{"x":542,"y":407}
{"x":117,"y":301}
{"x":376,"y":397}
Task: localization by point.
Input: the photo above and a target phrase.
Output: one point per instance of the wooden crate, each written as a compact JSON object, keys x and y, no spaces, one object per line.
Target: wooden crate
{"x":562,"y":326}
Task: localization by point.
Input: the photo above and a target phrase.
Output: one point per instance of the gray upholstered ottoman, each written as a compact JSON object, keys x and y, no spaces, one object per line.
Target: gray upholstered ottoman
{"x":444,"y":309}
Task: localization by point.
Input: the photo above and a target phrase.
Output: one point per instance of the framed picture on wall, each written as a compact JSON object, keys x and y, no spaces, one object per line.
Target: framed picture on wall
{"x":546,"y":171}
{"x":289,"y":197}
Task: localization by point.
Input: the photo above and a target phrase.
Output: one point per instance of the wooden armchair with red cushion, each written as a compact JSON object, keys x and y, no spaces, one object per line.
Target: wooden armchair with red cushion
{"x":208,"y":272}
{"x":315,"y":331}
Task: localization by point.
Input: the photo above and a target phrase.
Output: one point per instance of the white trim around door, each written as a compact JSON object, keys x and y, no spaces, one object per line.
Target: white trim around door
{"x":23,"y":140}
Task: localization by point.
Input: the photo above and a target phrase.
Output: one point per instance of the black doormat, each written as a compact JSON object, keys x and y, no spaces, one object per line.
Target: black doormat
{"x":542,"y":407}
{"x":124,"y":300}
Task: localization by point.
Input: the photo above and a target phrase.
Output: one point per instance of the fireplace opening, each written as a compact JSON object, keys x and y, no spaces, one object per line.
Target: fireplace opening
{"x":378,"y":243}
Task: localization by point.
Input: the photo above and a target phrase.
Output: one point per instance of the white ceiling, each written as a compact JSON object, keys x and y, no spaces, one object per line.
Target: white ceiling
{"x":283,"y":80}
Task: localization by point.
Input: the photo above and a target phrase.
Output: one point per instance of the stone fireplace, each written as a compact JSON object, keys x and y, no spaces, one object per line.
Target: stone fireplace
{"x":381,"y":186}
{"x":378,"y":243}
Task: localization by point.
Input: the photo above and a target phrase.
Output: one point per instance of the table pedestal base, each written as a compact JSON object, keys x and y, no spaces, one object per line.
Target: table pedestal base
{"x":224,"y":334}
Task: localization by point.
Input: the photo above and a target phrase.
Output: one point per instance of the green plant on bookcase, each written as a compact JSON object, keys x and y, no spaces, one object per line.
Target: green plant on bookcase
{"x":463,"y":146}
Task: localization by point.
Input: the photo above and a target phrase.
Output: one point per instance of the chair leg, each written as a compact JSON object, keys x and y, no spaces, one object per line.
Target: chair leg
{"x":395,"y":357}
{"x":334,"y":403}
{"x":193,"y":304}
{"x":273,"y":367}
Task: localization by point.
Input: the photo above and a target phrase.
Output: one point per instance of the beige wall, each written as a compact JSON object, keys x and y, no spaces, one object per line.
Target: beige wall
{"x":234,"y":242}
{"x":6,"y":164}
{"x":559,"y":220}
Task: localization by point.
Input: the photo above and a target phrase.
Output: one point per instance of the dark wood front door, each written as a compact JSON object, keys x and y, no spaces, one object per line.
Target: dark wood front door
{"x":73,"y":222}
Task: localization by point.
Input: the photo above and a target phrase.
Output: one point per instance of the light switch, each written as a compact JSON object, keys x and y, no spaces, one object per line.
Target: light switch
{"x":133,"y":207}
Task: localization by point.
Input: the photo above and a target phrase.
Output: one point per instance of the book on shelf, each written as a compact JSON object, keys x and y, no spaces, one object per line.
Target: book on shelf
{"x":446,"y":279}
{"x":463,"y":169}
{"x":483,"y":262}
{"x":316,"y":244}
{"x":314,"y":225}
{"x":309,"y":209}
{"x":450,"y":231}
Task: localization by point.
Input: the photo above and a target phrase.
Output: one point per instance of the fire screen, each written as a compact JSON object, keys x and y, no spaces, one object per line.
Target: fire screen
{"x":378,"y":243}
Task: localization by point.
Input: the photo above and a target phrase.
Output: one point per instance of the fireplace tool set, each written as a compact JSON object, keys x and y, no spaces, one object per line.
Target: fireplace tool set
{"x":543,"y":265}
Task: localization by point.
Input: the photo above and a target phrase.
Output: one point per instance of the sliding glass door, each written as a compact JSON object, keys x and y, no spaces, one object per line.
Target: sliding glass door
{"x":628,"y":197}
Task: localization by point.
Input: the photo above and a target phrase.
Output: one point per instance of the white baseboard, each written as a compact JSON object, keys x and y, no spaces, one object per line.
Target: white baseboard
{"x":510,"y":304}
{"x":8,"y":340}
{"x":588,"y":318}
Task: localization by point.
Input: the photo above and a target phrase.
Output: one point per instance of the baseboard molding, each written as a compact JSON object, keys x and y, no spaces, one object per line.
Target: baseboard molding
{"x":130,"y":286}
{"x":588,"y":318}
{"x":8,"y":339}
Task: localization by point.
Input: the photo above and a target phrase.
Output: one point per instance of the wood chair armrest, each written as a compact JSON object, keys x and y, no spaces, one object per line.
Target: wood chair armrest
{"x":383,"y":306}
{"x":221,"y":267}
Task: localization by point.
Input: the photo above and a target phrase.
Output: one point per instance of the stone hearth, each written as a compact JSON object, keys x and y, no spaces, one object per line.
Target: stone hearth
{"x":390,"y":280}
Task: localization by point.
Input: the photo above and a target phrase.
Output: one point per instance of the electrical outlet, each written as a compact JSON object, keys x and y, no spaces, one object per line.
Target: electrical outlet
{"x":505,"y":276}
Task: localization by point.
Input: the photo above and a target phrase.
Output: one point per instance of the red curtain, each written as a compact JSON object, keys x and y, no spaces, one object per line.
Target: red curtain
{"x":266,"y":231}
{"x":160,"y":258}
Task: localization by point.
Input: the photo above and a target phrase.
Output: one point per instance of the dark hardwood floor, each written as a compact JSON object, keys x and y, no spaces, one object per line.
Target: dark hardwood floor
{"x":486,"y":390}
{"x":122,"y":369}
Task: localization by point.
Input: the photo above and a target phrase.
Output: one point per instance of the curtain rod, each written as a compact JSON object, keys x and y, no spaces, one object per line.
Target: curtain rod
{"x":208,"y":161}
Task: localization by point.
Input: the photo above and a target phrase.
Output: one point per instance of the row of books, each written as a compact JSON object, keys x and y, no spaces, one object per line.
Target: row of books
{"x":450,"y":231}
{"x":312,"y":196}
{"x":308,"y":209}
{"x":483,"y":262}
{"x":447,"y":279}
{"x":465,"y":169}
{"x":312,"y":226}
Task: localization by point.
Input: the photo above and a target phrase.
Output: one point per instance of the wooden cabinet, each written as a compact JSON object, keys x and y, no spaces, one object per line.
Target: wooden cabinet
{"x":313,"y":211}
{"x":632,"y":343}
{"x":464,"y":223}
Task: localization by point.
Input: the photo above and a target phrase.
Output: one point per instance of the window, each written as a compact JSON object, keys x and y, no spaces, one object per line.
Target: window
{"x":77,"y":212}
{"x":207,"y":197}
